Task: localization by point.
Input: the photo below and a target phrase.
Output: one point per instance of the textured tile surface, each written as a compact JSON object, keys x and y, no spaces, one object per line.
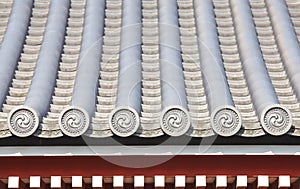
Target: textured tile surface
{"x":149,"y":68}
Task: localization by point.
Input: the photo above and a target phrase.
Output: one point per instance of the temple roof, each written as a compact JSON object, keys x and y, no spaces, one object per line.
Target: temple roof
{"x":149,"y":68}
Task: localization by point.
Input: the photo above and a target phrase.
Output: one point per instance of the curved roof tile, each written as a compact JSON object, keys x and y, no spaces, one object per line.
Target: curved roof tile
{"x":149,"y":68}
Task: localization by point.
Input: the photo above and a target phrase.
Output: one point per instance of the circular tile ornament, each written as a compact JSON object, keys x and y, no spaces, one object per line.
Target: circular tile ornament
{"x":175,"y":120}
{"x":276,"y":120}
{"x":124,"y":121}
{"x":74,"y":121}
{"x":226,"y":121}
{"x":23,"y":121}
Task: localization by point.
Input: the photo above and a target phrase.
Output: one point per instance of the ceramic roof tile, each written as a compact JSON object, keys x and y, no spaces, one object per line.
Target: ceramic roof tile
{"x":149,"y":68}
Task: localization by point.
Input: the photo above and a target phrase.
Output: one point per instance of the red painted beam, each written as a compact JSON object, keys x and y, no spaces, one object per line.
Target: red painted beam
{"x":177,"y":165}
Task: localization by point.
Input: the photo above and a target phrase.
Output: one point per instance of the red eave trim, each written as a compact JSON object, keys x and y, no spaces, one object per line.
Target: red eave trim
{"x":177,"y":165}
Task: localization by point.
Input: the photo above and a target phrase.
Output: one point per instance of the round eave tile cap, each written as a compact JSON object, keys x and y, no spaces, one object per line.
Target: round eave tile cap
{"x":74,"y":121}
{"x":226,"y":121}
{"x":175,"y":120}
{"x":276,"y":120}
{"x":23,"y":121}
{"x":124,"y":121}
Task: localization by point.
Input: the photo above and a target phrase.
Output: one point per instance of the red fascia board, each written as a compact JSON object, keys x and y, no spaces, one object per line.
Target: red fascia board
{"x":189,"y":165}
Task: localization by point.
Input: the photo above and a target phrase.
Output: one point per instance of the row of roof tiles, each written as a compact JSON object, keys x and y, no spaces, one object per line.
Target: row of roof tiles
{"x":150,"y":67}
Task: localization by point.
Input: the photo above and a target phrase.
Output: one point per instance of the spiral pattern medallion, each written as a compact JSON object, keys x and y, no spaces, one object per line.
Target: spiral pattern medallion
{"x":277,"y":121}
{"x":226,"y":121}
{"x":124,"y":121}
{"x":175,"y":121}
{"x":74,"y":122}
{"x":23,"y":122}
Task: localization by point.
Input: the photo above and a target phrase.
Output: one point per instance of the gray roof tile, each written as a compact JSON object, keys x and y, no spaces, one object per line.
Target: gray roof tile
{"x":149,"y":68}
